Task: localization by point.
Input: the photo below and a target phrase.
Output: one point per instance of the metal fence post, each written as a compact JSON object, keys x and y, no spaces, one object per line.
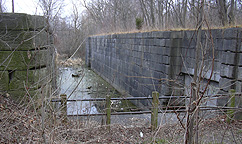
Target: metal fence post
{"x":154,"y":110}
{"x":230,"y":113}
{"x":108,"y":111}
{"x":64,"y":106}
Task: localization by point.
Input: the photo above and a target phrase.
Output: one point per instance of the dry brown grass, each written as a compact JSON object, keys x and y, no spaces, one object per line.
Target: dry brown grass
{"x":153,"y":30}
{"x":20,"y":124}
{"x":70,"y":62}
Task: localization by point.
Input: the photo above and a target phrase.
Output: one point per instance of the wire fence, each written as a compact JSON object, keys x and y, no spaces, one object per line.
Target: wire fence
{"x":154,"y":109}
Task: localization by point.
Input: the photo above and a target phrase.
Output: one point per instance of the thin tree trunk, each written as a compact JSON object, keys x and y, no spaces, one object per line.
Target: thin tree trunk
{"x":166,"y":16}
{"x":231,"y":13}
{"x":192,"y":118}
{"x":184,"y":4}
{"x":193,"y":15}
{"x":160,"y":13}
{"x":115,"y":13}
{"x":152,"y":15}
{"x":222,"y":12}
{"x":1,"y":8}
{"x":12,"y":6}
{"x":144,"y":12}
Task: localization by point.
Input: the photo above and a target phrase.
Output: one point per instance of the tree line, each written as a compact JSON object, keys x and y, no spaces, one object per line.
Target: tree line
{"x":120,"y":15}
{"x":110,"y":16}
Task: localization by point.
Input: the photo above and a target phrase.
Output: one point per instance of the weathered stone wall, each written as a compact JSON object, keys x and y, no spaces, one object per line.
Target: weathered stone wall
{"x":139,"y":63}
{"x":26,"y":55}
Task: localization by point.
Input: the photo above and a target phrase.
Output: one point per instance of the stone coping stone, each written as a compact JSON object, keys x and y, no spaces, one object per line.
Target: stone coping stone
{"x":24,"y":40}
{"x":21,"y":21}
{"x":220,"y":33}
{"x":28,"y":79}
{"x":23,"y":60}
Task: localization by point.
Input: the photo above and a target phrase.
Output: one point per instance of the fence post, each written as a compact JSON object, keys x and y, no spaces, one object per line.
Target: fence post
{"x":64,"y":106}
{"x":230,"y":113}
{"x":154,"y":111}
{"x":108,"y":111}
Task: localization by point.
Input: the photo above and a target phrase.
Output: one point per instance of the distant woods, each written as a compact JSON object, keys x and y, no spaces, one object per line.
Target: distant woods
{"x":110,"y":16}
{"x":90,"y":17}
{"x":121,"y":15}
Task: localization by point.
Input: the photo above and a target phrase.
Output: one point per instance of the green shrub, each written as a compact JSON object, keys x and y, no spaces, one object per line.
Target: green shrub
{"x":139,"y":23}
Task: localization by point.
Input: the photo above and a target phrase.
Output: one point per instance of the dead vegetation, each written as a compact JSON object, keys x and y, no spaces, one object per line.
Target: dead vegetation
{"x":63,"y":61}
{"x":21,"y":124}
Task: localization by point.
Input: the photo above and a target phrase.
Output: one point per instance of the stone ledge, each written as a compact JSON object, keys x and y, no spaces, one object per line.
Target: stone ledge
{"x":21,"y":21}
{"x":22,"y":60}
{"x":31,"y":79}
{"x":11,"y":40}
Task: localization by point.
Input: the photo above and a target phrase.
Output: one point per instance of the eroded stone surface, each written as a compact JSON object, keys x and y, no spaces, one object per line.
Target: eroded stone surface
{"x":26,"y":55}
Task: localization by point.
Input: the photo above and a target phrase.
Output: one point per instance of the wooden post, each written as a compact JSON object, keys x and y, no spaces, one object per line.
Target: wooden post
{"x":64,"y":106}
{"x":108,"y":111}
{"x":154,"y":111}
{"x":230,"y":113}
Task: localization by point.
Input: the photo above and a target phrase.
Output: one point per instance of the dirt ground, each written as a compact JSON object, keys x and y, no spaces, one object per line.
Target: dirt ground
{"x":23,"y":124}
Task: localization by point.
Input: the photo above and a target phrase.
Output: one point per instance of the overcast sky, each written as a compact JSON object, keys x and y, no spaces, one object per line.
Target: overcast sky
{"x":32,"y":7}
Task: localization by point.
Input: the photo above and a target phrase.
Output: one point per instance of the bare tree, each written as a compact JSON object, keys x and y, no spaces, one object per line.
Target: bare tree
{"x":152,"y":15}
{"x":51,"y":8}
{"x":184,"y":8}
{"x":1,"y":9}
{"x":160,"y":14}
{"x":222,"y":12}
{"x":192,"y":117}
{"x":231,"y":13}
{"x":12,"y":6}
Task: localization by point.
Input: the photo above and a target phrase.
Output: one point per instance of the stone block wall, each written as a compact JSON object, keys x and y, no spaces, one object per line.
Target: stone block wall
{"x":27,"y":56}
{"x":139,"y":63}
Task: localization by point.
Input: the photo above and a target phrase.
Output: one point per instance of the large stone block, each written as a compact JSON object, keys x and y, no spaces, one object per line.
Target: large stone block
{"x":4,"y":80}
{"x":225,"y":84}
{"x":32,"y":79}
{"x":138,"y":35}
{"x":240,"y":59}
{"x":230,"y":45}
{"x":240,"y":73}
{"x":20,"y":21}
{"x":156,"y":58}
{"x":227,"y":58}
{"x":177,"y":34}
{"x":165,"y":60}
{"x":226,"y":71}
{"x":147,"y":35}
{"x":156,"y":42}
{"x":219,"y":44}
{"x":24,"y":40}
{"x":137,"y":41}
{"x":162,"y":34}
{"x":22,"y":60}
{"x":230,"y":33}
{"x":216,"y":33}
{"x":157,"y":50}
{"x":167,"y":42}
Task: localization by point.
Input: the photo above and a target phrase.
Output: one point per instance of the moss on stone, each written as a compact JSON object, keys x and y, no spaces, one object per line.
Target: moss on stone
{"x":23,"y":40}
{"x":4,"y":79}
{"x":30,"y":79}
{"x":22,"y":60}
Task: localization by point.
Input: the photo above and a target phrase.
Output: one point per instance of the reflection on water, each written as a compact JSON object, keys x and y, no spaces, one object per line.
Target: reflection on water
{"x":90,"y":86}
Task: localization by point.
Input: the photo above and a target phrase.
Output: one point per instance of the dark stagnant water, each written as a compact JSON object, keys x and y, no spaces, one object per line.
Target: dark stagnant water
{"x":90,"y":85}
{"x":83,"y":83}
